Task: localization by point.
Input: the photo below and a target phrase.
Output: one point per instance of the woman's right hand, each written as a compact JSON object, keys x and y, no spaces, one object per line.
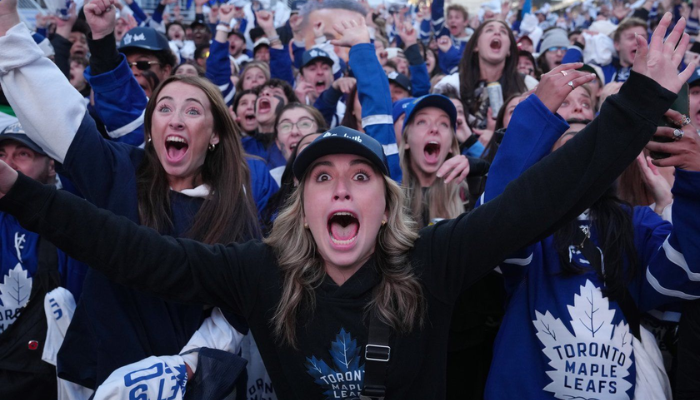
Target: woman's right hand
{"x":660,"y":60}
{"x":556,"y":84}
{"x":8,"y":177}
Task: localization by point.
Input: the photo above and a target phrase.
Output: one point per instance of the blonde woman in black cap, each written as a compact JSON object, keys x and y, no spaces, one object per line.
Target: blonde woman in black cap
{"x":344,"y":254}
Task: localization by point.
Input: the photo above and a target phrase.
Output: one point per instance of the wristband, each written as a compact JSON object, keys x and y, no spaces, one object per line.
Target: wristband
{"x":273,"y":38}
{"x":223,"y":28}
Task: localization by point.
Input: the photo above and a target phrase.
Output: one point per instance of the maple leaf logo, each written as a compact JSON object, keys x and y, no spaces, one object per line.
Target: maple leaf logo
{"x":345,"y":380}
{"x":591,"y":362}
{"x":14,"y":294}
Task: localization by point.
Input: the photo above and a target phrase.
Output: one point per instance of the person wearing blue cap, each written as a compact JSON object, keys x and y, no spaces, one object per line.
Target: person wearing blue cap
{"x":30,"y":268}
{"x":399,"y":85}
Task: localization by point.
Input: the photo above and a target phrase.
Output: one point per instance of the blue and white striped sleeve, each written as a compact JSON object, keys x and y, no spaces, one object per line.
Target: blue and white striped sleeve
{"x":120,"y":102}
{"x":375,"y":98}
{"x":437,"y":15}
{"x":219,"y":70}
{"x":672,"y":260}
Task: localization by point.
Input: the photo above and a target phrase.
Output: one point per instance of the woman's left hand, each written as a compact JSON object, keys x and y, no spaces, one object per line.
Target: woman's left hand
{"x":454,"y":169}
{"x":655,"y":182}
{"x":684,"y":152}
{"x":8,"y":177}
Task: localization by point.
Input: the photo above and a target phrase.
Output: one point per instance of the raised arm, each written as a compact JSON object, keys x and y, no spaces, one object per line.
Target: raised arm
{"x":218,"y":64}
{"x":137,"y":256}
{"x":372,"y":89}
{"x":565,"y":183}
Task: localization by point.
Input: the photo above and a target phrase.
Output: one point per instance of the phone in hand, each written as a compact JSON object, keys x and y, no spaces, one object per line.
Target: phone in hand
{"x":682,"y":105}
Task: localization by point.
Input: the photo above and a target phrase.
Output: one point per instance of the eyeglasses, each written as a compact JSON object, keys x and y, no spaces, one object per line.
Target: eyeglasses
{"x":304,"y":125}
{"x":556,"y":48}
{"x":143,"y":65}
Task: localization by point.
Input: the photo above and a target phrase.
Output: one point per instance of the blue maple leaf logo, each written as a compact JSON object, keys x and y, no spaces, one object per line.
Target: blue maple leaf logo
{"x":344,"y":380}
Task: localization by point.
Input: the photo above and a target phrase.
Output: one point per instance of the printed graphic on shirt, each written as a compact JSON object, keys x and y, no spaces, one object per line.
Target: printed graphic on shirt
{"x":345,"y":380}
{"x":592,"y":361}
{"x":14,"y":294}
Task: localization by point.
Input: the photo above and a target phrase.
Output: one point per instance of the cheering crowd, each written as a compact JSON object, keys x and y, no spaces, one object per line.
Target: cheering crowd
{"x":323,"y":199}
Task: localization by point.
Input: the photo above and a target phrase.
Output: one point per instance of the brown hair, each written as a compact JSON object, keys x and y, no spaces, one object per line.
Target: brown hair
{"x":458,"y":8}
{"x":626,"y":24}
{"x":315,"y":114}
{"x":228,"y":213}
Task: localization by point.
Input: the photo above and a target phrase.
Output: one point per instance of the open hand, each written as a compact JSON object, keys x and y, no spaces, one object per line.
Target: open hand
{"x":101,"y":16}
{"x":350,"y":33}
{"x":556,"y":84}
{"x":660,"y":60}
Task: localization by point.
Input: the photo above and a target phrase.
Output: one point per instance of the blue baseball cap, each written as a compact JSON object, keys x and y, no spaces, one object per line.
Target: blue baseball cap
{"x":144,"y":38}
{"x":16,"y":132}
{"x":341,"y":140}
{"x":431,"y":100}
{"x":694,"y":79}
{"x":400,"y":107}
{"x":315,"y":54}
{"x":401,"y":80}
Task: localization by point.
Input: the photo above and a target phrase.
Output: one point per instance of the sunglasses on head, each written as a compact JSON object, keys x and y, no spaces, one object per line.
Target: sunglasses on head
{"x":557,"y":48}
{"x":143,"y":65}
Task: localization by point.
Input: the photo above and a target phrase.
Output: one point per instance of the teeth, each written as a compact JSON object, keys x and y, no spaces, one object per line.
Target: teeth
{"x":340,"y":214}
{"x":433,"y":142}
{"x":343,"y":242}
{"x":175,"y":139}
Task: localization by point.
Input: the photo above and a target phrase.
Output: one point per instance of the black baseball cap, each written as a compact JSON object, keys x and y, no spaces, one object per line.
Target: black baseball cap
{"x":401,"y":80}
{"x":313,"y":55}
{"x":341,"y":140}
{"x":144,"y":38}
{"x":16,"y":132}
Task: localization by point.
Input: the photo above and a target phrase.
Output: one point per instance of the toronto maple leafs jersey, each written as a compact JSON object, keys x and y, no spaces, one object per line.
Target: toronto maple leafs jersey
{"x":575,"y":341}
{"x":18,"y":265}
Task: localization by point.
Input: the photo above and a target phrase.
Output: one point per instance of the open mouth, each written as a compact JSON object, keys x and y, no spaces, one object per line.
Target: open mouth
{"x":343,"y":227}
{"x":432,"y":152}
{"x":320,"y":86}
{"x":249,"y":117}
{"x":264,"y":106}
{"x":176,"y":147}
{"x":495,"y":44}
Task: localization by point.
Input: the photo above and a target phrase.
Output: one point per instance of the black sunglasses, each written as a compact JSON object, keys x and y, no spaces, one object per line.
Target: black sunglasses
{"x":143,"y":65}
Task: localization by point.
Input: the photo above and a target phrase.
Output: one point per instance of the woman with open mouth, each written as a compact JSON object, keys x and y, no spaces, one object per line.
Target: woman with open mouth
{"x":294,"y":121}
{"x":344,"y":254}
{"x":176,"y":185}
{"x":428,"y":140}
{"x":491,"y":55}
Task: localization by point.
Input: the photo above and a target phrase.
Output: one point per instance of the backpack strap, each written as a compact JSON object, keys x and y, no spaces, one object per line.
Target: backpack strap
{"x":594,"y":256}
{"x":377,"y":356}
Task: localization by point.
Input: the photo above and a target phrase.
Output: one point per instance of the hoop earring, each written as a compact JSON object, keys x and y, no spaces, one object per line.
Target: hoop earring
{"x":212,"y":147}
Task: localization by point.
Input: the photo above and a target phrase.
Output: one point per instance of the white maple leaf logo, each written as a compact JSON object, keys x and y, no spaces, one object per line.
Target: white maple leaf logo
{"x":14,"y":294}
{"x":591,"y":362}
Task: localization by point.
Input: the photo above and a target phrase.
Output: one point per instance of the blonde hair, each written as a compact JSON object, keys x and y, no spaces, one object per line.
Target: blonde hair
{"x":441,"y":200}
{"x":262,"y":66}
{"x":397,"y":300}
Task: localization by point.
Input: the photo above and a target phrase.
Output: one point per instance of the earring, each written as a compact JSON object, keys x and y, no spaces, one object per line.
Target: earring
{"x":150,"y":139}
{"x":212,"y":147}
{"x":306,"y":226}
{"x":383,"y":222}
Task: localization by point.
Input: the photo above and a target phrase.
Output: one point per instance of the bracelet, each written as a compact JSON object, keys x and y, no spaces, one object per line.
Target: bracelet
{"x":273,"y":38}
{"x":223,"y":28}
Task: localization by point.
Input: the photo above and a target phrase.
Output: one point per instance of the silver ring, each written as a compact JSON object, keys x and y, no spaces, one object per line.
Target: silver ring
{"x":677,"y":134}
{"x":686,"y":120}
{"x":564,"y":73}
{"x":571,"y":84}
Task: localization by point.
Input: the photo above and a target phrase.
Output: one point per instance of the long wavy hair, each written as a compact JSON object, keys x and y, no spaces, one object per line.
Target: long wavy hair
{"x":470,"y":73}
{"x":397,"y":300}
{"x":228,"y":213}
{"x":440,"y":200}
